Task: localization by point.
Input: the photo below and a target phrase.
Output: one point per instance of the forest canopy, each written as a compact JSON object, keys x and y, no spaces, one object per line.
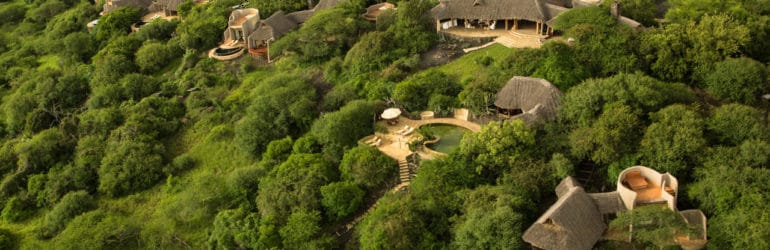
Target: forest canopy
{"x":112,"y":138}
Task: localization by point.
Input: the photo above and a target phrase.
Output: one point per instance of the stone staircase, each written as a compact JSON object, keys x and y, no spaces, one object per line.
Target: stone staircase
{"x":404,"y":173}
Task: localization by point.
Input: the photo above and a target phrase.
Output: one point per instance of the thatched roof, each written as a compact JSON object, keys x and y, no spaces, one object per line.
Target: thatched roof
{"x":532,"y":10}
{"x":280,"y":23}
{"x":629,"y":22}
{"x":555,"y":12}
{"x":534,"y":96}
{"x":301,"y":16}
{"x":573,"y":222}
{"x":326,"y":4}
{"x":171,"y":4}
{"x":565,"y":185}
{"x":608,"y":203}
{"x":274,"y":27}
{"x":115,"y":4}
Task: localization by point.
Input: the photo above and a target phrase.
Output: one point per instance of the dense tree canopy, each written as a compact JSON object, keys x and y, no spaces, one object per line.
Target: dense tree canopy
{"x":132,"y":140}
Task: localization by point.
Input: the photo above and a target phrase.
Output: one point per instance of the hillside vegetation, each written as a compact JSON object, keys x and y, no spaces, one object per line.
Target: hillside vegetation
{"x":117,"y":140}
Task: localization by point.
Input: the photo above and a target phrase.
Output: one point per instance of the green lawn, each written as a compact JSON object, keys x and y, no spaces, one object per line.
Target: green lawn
{"x":469,"y":66}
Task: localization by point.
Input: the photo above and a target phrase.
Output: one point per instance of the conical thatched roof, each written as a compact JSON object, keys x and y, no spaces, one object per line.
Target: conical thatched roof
{"x":573,"y":222}
{"x":532,"y":10}
{"x":534,"y":96}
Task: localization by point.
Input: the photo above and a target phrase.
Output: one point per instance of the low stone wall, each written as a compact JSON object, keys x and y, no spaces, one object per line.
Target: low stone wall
{"x":227,"y":57}
{"x":427,"y":150}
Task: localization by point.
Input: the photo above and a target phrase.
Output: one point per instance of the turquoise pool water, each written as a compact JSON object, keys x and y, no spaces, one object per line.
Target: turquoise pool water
{"x":450,"y":137}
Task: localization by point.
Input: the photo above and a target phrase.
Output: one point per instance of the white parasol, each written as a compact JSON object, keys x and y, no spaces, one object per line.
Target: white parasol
{"x":391,"y":113}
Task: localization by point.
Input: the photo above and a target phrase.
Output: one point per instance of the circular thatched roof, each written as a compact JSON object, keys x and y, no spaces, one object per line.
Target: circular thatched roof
{"x":534,"y":96}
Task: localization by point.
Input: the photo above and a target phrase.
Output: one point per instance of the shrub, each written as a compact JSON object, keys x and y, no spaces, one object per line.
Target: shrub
{"x":16,"y":209}
{"x":70,"y":206}
{"x":12,"y":13}
{"x":180,"y":163}
{"x":7,"y":239}
{"x":153,"y":56}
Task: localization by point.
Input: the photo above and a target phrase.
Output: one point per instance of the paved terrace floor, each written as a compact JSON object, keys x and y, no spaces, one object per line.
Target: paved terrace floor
{"x":397,"y":146}
{"x":524,"y":37}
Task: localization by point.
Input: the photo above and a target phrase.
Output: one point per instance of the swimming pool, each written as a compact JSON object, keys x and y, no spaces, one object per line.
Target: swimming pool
{"x":450,"y":137}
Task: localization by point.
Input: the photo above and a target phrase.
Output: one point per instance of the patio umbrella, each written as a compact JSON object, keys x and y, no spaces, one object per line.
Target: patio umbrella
{"x":391,"y":113}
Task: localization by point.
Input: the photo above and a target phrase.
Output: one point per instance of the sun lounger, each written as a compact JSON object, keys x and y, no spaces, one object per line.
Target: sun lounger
{"x":408,"y":131}
{"x":402,"y":130}
{"x":376,"y":143}
{"x":371,"y":140}
{"x":636,"y":181}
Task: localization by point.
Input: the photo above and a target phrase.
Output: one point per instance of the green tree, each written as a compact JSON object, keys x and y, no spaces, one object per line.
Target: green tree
{"x":42,"y":152}
{"x":282,"y":105}
{"x":403,"y":221}
{"x":80,"y":45}
{"x":46,"y":11}
{"x":129,"y":164}
{"x":740,"y":80}
{"x":674,"y":142}
{"x":302,"y":231}
{"x":293,"y":186}
{"x":201,"y":30}
{"x":236,"y":228}
{"x":341,"y":199}
{"x":117,"y":22}
{"x":267,"y":7}
{"x":329,"y":33}
{"x":70,"y":206}
{"x":137,"y":86}
{"x":496,"y":146}
{"x":278,"y":151}
{"x":416,"y":92}
{"x":733,"y":124}
{"x":342,"y":129}
{"x":612,"y":136}
{"x":367,"y":167}
{"x":159,"y":29}
{"x":153,"y":56}
{"x":642,"y":11}
{"x":686,"y":52}
{"x":491,"y":219}
{"x":583,"y":104}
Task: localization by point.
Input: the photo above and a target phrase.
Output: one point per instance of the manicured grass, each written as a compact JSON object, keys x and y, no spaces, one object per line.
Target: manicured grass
{"x":470,"y":67}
